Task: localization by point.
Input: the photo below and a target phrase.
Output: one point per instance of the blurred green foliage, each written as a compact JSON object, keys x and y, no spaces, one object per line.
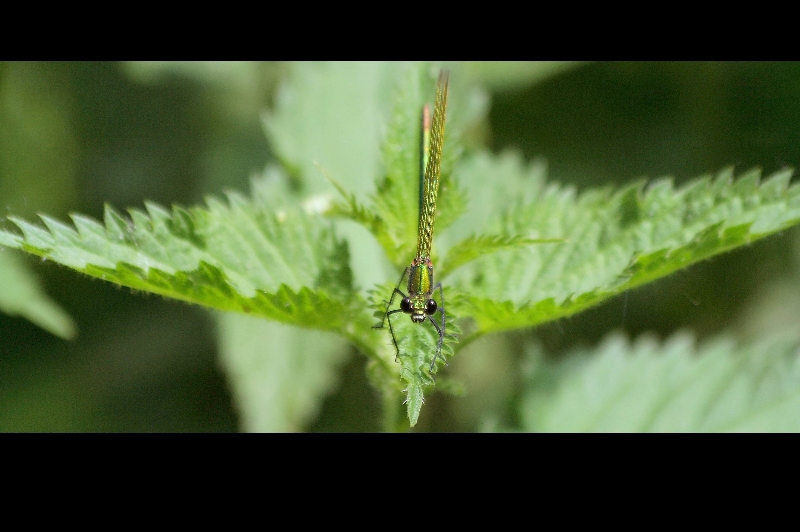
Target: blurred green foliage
{"x":76,"y":135}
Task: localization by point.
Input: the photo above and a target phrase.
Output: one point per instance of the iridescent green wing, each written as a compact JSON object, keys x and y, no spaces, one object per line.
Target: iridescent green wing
{"x":432,"y":155}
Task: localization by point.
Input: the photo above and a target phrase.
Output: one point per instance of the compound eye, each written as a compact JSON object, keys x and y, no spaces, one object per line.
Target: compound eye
{"x":405,"y":305}
{"x":430,"y":307}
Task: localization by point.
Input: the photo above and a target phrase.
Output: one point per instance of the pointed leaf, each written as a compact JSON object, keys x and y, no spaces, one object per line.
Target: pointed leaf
{"x":646,"y":386}
{"x":235,"y":255}
{"x":416,"y":347}
{"x":21,"y":295}
{"x":279,"y":374}
{"x":614,"y":241}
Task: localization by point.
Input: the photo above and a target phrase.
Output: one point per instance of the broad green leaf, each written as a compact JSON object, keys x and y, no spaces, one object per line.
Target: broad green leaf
{"x":417,"y":345}
{"x":21,"y":295}
{"x":278,"y":373}
{"x":647,"y":386}
{"x":331,"y":114}
{"x":614,"y":240}
{"x":237,"y":255}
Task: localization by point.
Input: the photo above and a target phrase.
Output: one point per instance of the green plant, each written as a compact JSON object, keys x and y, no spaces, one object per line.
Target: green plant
{"x":286,"y":257}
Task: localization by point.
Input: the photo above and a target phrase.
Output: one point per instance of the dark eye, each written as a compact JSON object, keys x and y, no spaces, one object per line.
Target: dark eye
{"x":430,"y":307}
{"x":405,"y":305}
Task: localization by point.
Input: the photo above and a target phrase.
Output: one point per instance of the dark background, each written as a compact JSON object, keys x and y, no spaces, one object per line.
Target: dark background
{"x":74,"y":136}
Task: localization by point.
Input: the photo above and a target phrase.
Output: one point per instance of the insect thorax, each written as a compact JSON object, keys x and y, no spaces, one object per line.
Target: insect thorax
{"x":420,"y":279}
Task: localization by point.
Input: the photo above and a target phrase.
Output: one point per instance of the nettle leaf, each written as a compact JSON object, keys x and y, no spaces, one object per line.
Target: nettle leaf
{"x":416,"y":343}
{"x":614,"y":240}
{"x":330,"y":114}
{"x":647,"y":386}
{"x":235,"y":255}
{"x":278,"y":373}
{"x":21,"y":295}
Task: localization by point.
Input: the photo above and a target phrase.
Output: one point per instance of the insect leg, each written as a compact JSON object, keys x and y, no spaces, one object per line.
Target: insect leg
{"x":441,"y":310}
{"x":438,"y":346}
{"x":391,"y":299}
{"x":443,"y":332}
{"x":391,"y":331}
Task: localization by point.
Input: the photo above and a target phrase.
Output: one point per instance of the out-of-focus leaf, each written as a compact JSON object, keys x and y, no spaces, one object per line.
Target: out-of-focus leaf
{"x":647,"y":386}
{"x":20,"y":294}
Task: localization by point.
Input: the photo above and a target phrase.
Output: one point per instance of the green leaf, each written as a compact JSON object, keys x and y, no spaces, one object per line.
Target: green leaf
{"x":21,"y":295}
{"x":676,"y":386}
{"x":278,"y":374}
{"x":417,"y":344}
{"x":614,"y":240}
{"x":331,"y":114}
{"x":237,"y":255}
{"x":478,"y":246}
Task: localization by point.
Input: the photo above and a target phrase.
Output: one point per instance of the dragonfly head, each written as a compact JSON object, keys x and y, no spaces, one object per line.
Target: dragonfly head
{"x":418,"y":313}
